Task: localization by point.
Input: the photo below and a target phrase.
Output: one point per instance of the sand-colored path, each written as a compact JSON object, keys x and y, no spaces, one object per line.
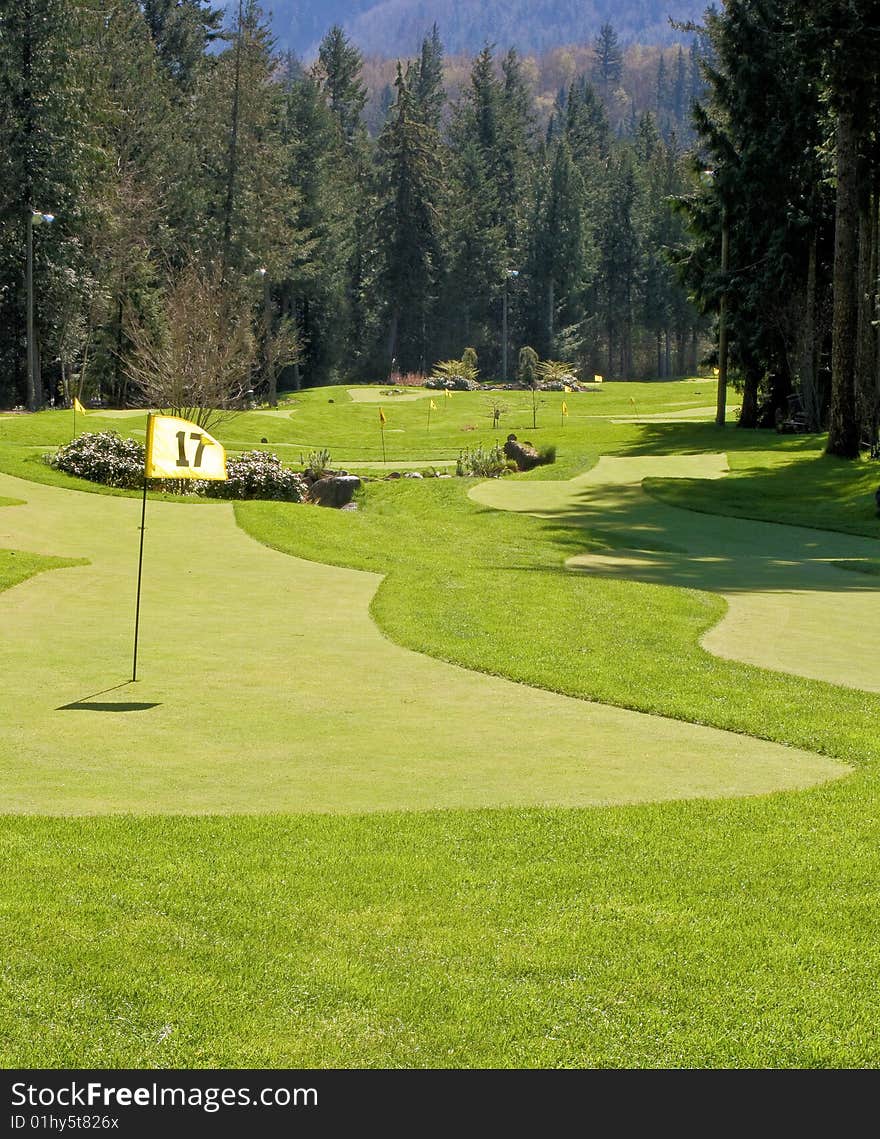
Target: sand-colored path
{"x":265,"y":686}
{"x":789,"y":607}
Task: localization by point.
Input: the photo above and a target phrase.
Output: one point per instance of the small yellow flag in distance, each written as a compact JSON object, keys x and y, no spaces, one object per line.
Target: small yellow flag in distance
{"x":433,"y":406}
{"x":566,"y":388}
{"x":714,"y":371}
{"x":78,"y":407}
{"x":447,"y":393}
{"x":382,"y":416}
{"x":179,"y":449}
{"x":564,"y":408}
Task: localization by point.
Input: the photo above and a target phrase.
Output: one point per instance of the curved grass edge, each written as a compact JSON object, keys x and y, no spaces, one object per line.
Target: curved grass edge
{"x":17,"y":566}
{"x":463,"y":617}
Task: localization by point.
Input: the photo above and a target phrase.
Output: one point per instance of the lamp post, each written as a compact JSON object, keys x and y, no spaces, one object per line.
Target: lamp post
{"x":508,"y":276}
{"x":269,"y":363}
{"x":34,"y":389}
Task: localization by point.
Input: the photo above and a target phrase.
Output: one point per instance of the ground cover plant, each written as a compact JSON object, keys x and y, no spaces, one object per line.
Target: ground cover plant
{"x":726,"y":932}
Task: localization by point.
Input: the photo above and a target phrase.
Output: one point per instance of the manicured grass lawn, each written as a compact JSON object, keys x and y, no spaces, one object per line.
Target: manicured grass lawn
{"x":803,"y":488}
{"x":734,"y":933}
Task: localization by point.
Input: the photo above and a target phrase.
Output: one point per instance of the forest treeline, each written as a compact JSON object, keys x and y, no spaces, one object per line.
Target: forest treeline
{"x":785,"y":220}
{"x":160,"y":140}
{"x":190,"y":167}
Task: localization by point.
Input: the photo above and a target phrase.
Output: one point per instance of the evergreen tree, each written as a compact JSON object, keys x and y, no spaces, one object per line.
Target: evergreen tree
{"x":339,"y":67}
{"x":559,"y":258}
{"x":428,"y":93}
{"x":761,"y":130}
{"x":409,"y":230}
{"x":608,"y":66}
{"x":43,"y":136}
{"x":182,"y":31}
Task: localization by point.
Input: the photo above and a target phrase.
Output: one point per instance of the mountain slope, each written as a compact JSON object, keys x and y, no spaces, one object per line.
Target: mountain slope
{"x":396,"y":27}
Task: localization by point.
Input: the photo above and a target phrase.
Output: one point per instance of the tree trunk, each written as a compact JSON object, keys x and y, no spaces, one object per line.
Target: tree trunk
{"x":809,"y":378}
{"x":550,"y":304}
{"x":865,"y":347}
{"x":392,"y":338}
{"x":659,"y":356}
{"x":843,"y":433}
{"x":233,"y":148}
{"x":748,"y":416}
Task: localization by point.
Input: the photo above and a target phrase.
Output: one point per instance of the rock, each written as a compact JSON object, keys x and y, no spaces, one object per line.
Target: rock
{"x":349,"y":506}
{"x":334,"y":490}
{"x":523,"y":454}
{"x":412,"y":475}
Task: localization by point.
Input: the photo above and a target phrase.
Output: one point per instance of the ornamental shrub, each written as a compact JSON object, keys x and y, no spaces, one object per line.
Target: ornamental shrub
{"x":483,"y":462}
{"x":258,"y":474}
{"x":527,"y":371}
{"x":102,"y":457}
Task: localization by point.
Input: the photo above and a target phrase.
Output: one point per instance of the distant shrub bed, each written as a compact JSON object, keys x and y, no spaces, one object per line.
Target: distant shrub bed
{"x":105,"y":457}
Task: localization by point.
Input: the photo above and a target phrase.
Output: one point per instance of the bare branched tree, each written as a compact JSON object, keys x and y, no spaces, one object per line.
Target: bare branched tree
{"x":199,"y":363}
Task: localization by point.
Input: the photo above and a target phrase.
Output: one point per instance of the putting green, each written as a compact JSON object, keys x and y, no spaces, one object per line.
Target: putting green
{"x":265,"y":686}
{"x":380,"y":395}
{"x":789,"y":607}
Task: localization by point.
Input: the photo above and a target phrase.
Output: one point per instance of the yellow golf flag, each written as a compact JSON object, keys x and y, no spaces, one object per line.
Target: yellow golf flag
{"x":433,"y":406}
{"x":447,"y":393}
{"x":78,"y":407}
{"x":382,"y":418}
{"x":178,"y":449}
{"x":564,"y":408}
{"x":597,"y":379}
{"x":566,"y":388}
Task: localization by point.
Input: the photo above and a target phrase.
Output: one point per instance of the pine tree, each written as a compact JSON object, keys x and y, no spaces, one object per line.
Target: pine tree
{"x":43,"y":133}
{"x":559,"y":259}
{"x":429,"y":96}
{"x":182,"y":31}
{"x":608,"y":66}
{"x":408,"y":227}
{"x":338,"y":69}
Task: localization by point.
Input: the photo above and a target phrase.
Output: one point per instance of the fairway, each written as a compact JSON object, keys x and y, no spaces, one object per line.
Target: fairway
{"x":240,"y":643}
{"x":790,"y":608}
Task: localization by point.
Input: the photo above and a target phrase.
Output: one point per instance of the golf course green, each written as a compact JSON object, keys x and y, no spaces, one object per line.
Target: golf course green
{"x":571,"y":769}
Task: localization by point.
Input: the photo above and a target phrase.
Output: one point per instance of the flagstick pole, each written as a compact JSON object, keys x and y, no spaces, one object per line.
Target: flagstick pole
{"x":382,"y":428}
{"x":137,"y":611}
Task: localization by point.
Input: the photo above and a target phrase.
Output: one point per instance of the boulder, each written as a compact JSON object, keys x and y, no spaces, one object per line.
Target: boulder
{"x":523,"y":454}
{"x":334,"y":490}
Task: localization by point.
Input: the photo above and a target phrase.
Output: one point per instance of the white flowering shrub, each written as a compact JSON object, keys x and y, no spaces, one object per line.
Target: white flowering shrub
{"x":258,"y":474}
{"x":102,"y":457}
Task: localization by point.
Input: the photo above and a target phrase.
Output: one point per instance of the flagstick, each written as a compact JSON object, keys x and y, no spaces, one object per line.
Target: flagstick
{"x":137,"y":611}
{"x":382,"y":429}
{"x":429,"y":417}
